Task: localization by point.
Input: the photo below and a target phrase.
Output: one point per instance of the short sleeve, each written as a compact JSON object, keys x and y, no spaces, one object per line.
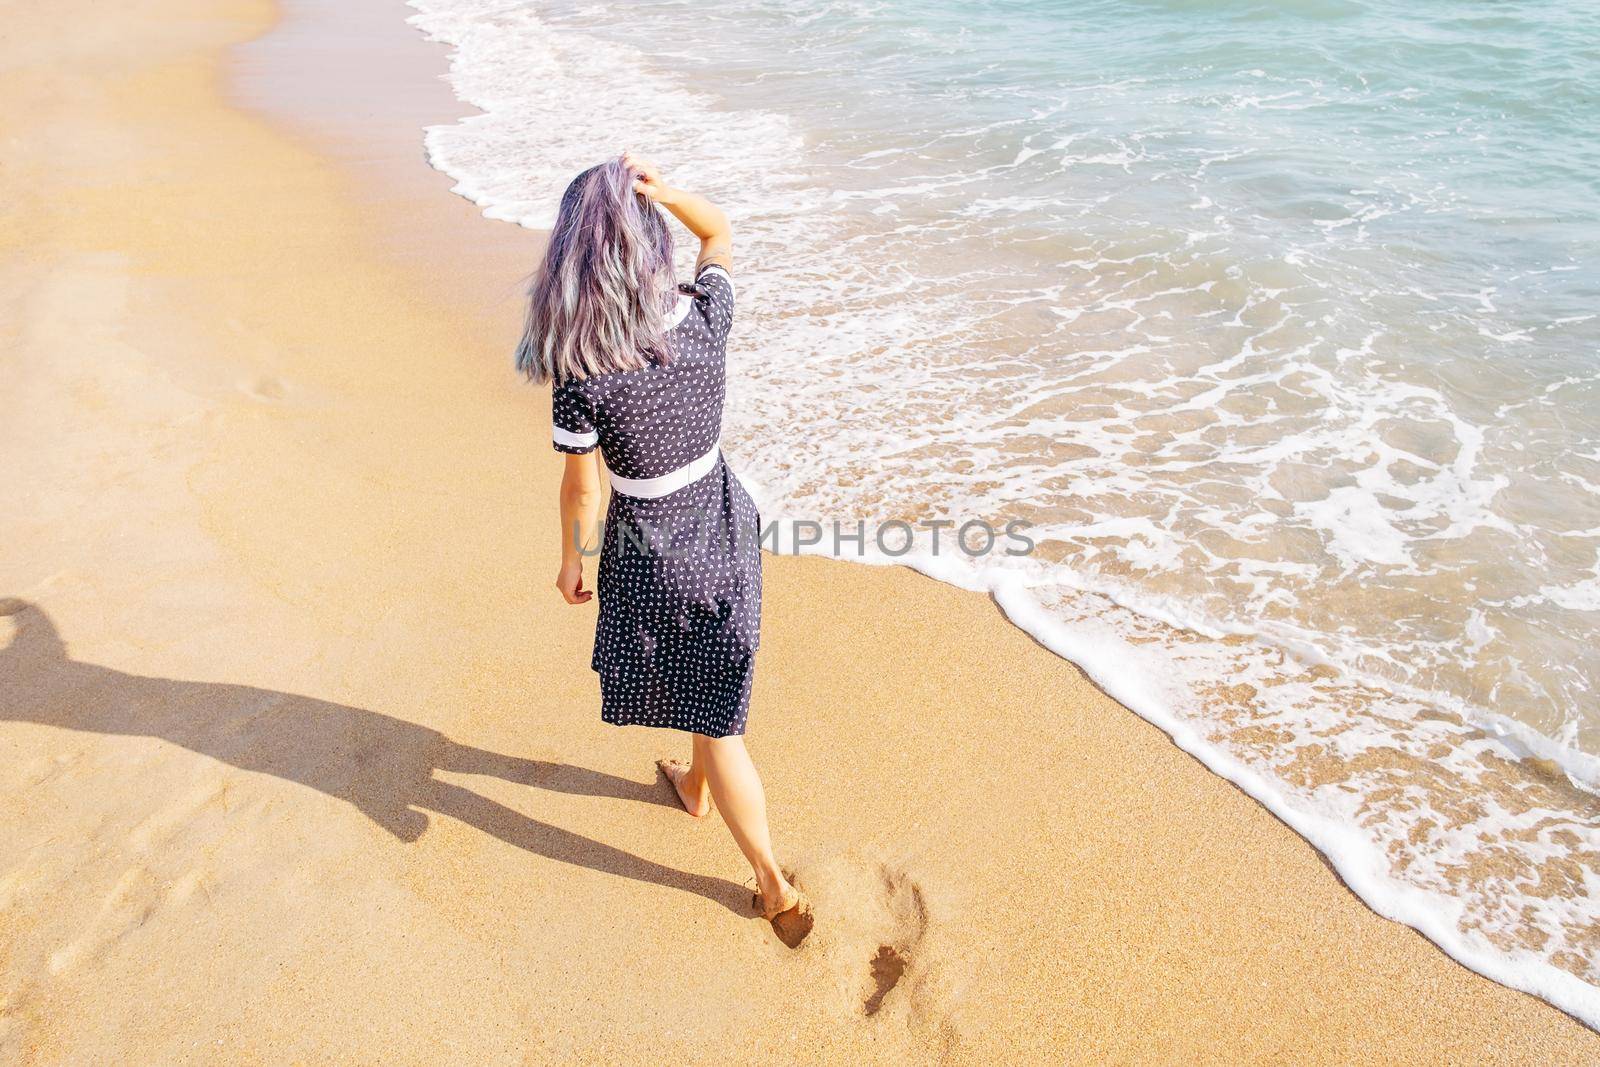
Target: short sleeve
{"x":715,"y":280}
{"x":571,"y":420}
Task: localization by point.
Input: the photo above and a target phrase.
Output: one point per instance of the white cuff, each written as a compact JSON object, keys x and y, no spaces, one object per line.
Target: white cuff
{"x":574,"y":440}
{"x":720,"y":269}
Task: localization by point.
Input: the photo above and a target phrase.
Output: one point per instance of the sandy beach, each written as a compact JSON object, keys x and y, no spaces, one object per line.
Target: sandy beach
{"x":300,"y":751}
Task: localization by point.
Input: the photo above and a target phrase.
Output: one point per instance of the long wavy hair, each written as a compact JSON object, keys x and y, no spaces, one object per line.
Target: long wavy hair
{"x":600,"y":300}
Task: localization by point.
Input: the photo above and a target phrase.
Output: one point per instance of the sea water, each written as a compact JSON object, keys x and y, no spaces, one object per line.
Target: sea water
{"x":1278,"y":321}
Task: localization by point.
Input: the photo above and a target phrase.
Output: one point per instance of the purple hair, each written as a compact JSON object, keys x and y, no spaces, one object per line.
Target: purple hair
{"x":600,"y":300}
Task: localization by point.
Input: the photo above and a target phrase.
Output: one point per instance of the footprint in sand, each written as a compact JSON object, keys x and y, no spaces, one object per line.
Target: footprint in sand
{"x":872,"y":933}
{"x":133,"y":900}
{"x":266,"y":387}
{"x":178,"y":816}
{"x":902,"y":898}
{"x":41,"y":769}
{"x":887,"y":967}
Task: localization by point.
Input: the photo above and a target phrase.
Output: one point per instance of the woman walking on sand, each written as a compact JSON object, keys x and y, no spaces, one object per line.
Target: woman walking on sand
{"x":637,"y":368}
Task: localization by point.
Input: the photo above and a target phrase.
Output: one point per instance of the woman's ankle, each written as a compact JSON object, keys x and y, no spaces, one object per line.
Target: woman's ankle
{"x":773,"y":885}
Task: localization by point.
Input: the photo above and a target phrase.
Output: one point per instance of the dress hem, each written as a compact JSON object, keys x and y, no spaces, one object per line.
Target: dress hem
{"x":662,"y":726}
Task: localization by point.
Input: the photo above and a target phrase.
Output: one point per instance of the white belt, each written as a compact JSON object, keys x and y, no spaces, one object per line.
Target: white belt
{"x":671,"y":482}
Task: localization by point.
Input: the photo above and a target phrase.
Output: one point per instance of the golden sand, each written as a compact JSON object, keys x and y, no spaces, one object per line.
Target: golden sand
{"x":300,"y":757}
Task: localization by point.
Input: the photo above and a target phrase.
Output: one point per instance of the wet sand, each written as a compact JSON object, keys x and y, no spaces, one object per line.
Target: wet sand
{"x":301,"y":754}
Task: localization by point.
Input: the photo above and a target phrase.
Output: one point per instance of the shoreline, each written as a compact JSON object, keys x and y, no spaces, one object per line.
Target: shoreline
{"x":280,"y":403}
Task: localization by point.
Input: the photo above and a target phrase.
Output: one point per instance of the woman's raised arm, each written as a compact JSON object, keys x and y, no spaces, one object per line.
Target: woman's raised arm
{"x":702,"y":218}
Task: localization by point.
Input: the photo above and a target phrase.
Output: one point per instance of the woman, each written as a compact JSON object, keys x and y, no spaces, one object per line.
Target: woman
{"x":637,"y":364}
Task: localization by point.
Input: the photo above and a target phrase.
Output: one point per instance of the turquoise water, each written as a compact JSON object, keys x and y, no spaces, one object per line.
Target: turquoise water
{"x":1280,"y":322}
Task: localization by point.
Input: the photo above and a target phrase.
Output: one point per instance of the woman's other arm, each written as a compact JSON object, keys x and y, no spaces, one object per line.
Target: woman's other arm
{"x":580,"y":523}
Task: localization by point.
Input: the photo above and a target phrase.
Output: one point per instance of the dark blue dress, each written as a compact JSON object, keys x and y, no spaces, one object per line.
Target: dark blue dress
{"x":680,"y":564}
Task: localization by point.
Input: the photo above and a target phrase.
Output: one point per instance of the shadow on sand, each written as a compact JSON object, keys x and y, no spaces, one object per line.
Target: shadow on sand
{"x":382,"y":765}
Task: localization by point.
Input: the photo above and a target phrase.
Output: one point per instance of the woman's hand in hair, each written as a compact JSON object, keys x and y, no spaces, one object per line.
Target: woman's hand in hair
{"x":648,"y":183}
{"x":703,"y":218}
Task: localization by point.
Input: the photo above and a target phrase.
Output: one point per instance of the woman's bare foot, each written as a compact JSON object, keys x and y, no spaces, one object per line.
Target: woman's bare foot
{"x":696,"y":801}
{"x":789,"y":913}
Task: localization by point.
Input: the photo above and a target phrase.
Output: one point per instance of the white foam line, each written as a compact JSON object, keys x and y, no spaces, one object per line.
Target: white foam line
{"x":1351,"y":852}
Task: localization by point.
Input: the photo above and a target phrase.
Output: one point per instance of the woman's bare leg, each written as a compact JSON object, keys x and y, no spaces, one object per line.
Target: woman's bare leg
{"x":735,"y":786}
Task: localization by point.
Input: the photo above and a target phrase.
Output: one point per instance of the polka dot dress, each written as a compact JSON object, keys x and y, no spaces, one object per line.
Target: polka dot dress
{"x":680,"y":574}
